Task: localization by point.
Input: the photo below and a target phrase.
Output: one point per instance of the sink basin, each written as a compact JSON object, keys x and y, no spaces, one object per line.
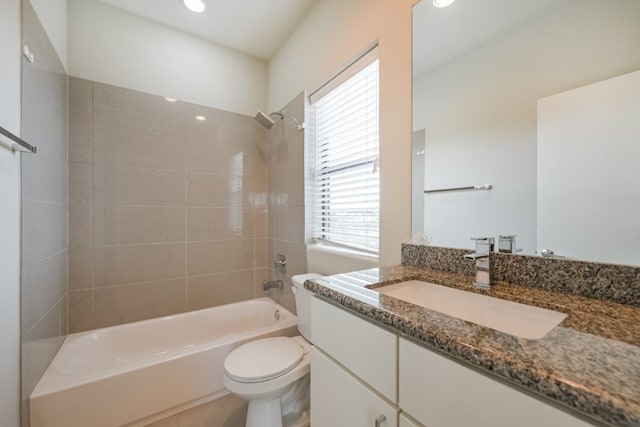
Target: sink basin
{"x":513,"y":318}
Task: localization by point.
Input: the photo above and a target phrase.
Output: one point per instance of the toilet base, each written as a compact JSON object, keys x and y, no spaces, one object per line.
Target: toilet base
{"x":264,"y":413}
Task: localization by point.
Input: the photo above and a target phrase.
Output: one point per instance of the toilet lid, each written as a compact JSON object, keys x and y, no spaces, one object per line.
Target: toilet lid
{"x":263,"y":359}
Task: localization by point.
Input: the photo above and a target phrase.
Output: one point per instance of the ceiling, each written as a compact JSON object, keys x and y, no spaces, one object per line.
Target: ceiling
{"x":255,"y":27}
{"x":440,"y":35}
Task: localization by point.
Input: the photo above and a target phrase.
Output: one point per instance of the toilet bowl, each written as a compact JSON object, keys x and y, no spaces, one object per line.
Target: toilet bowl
{"x":273,"y":373}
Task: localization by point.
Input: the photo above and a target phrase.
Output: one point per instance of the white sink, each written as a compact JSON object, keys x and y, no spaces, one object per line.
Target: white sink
{"x":513,"y":318}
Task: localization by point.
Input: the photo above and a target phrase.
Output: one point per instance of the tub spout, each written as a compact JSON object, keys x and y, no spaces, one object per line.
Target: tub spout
{"x":274,"y":284}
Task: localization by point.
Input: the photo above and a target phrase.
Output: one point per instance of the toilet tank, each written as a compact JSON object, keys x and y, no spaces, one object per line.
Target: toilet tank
{"x":303,"y":303}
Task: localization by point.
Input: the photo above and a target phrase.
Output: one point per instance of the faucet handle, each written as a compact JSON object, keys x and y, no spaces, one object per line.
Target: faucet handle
{"x":507,"y":244}
{"x":489,"y":240}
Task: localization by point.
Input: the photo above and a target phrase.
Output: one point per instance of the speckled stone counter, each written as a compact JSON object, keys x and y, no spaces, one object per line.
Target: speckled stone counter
{"x":589,"y":363}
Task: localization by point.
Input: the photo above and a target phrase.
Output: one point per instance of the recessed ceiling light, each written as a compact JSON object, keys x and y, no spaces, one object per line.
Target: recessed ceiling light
{"x":442,"y":3}
{"x":168,"y":99}
{"x":194,"y":5}
{"x":201,"y":118}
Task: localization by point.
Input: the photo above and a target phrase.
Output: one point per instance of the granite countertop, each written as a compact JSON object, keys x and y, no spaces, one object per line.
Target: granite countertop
{"x":589,"y":363}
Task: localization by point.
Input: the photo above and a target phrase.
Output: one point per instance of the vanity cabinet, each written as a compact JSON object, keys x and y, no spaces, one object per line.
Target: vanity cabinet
{"x":338,"y":398}
{"x":440,"y":392}
{"x":367,"y":350}
{"x":354,"y":368}
{"x":361,"y":372}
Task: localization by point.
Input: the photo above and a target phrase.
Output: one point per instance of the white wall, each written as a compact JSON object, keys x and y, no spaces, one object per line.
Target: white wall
{"x":332,"y":34}
{"x":114,"y":47}
{"x":9,"y":216}
{"x":479,"y":112}
{"x":592,"y":212}
{"x":53,"y":17}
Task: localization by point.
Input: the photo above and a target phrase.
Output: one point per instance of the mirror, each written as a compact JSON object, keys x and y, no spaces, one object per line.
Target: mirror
{"x":537,"y":106}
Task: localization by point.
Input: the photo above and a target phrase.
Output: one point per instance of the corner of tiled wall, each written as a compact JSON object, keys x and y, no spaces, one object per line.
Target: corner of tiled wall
{"x":168,"y":213}
{"x":286,"y":199}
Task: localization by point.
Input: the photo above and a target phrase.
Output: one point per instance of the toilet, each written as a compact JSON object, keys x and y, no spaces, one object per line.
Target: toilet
{"x":273,"y":373}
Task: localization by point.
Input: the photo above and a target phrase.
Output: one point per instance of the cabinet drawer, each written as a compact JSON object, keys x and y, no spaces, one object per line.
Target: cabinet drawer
{"x":439,"y":392}
{"x":368,"y":351}
{"x":339,"y":399}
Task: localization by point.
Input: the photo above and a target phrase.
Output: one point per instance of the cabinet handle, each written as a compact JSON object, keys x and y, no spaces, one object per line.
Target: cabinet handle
{"x":380,"y":420}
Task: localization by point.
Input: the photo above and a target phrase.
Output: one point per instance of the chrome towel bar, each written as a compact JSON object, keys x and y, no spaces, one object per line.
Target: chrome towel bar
{"x":18,"y":144}
{"x":471,"y":187}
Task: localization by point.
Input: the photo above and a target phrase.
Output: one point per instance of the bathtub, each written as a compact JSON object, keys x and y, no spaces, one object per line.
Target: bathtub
{"x":140,"y":372}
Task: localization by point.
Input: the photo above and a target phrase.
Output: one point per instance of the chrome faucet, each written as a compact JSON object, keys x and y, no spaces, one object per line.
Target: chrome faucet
{"x":484,"y":247}
{"x":507,"y":244}
{"x":273,"y":284}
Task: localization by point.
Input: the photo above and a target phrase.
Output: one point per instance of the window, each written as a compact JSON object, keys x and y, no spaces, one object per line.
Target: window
{"x":345,"y":195}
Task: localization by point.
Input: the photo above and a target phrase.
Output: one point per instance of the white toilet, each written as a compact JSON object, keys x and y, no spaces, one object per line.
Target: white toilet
{"x":273,"y":373}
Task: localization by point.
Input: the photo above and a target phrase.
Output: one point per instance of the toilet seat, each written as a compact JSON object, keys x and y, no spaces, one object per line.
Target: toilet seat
{"x":263,"y":360}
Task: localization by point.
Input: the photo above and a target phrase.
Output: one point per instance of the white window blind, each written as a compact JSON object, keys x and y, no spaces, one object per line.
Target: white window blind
{"x":345,"y":199}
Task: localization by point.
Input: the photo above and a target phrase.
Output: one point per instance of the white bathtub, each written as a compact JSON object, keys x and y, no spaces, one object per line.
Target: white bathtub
{"x":139,"y":372}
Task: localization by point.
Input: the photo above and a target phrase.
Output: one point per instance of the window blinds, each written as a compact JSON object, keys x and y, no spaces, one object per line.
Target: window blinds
{"x":346,"y":196}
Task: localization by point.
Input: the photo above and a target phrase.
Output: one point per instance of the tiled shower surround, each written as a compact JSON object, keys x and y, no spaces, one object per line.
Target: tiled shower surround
{"x":44,"y":207}
{"x":286,"y":198}
{"x":167,"y":213}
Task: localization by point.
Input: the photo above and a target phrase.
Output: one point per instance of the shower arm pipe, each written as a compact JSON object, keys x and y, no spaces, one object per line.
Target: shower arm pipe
{"x":282,"y":113}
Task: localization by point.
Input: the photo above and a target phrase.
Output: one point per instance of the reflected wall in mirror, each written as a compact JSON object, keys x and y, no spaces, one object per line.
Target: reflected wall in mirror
{"x":541,"y":100}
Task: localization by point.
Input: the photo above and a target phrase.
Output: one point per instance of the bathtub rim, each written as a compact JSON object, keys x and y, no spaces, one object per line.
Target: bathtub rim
{"x":43,"y":388}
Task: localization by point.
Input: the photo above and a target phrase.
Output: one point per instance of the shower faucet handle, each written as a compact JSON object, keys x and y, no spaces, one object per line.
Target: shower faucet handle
{"x":280,"y":265}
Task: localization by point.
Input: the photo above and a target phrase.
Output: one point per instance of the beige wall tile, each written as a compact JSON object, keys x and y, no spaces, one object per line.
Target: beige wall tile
{"x":227,"y":223}
{"x":80,"y":269}
{"x":45,"y":121}
{"x":39,"y":346}
{"x":260,"y":192}
{"x":272,"y":255}
{"x":289,"y":223}
{"x":64,"y":315}
{"x":219,"y":289}
{"x":44,"y":283}
{"x":223,"y":126}
{"x":152,"y":158}
{"x":81,"y":192}
{"x":260,"y":253}
{"x":124,"y":107}
{"x":291,"y":183}
{"x":80,"y":120}
{"x":119,"y":265}
{"x":80,"y":225}
{"x":296,"y":254}
{"x":43,"y":233}
{"x":209,"y":129}
{"x":115,"y":305}
{"x":220,"y":256}
{"x":261,"y":221}
{"x":122,"y":225}
{"x":137,"y":148}
{"x":138,"y":187}
{"x":209,"y":190}
{"x":259,"y":276}
{"x":208,"y":155}
{"x":80,"y":311}
{"x":44,"y":192}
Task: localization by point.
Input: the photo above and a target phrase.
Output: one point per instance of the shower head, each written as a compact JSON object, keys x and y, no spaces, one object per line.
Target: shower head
{"x":265,"y":120}
{"x":268,"y":122}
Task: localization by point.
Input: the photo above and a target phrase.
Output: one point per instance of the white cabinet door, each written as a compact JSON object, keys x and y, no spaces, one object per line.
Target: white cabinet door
{"x":338,"y":399}
{"x":365,"y":349}
{"x":439,"y":392}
